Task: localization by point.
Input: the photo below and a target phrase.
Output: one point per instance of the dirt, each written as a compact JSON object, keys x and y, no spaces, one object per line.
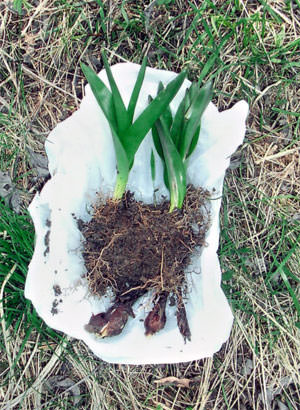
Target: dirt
{"x":132,"y":247}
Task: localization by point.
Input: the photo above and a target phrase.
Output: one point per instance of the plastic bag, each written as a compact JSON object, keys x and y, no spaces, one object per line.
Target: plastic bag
{"x":82,"y":163}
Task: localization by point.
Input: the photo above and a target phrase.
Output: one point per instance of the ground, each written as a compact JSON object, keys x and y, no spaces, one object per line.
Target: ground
{"x":251,"y":50}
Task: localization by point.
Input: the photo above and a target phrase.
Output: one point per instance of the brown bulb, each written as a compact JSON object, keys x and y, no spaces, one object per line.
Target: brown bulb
{"x":96,"y":323}
{"x":156,"y":319}
{"x":117,"y":317}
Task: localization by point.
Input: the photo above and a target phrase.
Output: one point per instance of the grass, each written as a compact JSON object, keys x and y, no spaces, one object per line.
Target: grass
{"x":251,"y":50}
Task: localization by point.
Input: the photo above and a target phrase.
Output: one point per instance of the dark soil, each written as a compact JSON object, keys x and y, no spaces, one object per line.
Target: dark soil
{"x":132,"y":247}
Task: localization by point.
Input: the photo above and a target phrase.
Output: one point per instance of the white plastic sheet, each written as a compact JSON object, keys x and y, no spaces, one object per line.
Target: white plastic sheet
{"x":82,"y":163}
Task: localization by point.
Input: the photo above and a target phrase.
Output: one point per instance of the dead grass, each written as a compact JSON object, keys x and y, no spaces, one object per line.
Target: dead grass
{"x":41,"y":84}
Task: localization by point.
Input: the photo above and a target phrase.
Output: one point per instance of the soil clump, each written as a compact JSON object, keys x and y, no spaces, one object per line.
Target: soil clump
{"x":132,"y":247}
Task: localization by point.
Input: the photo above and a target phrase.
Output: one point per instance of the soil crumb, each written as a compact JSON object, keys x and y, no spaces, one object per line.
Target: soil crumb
{"x":132,"y":247}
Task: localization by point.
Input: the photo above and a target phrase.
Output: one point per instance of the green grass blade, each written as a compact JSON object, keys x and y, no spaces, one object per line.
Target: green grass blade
{"x":290,"y":290}
{"x":193,"y":118}
{"x":137,"y":132}
{"x":17,"y":5}
{"x":174,"y":166}
{"x":136,"y":90}
{"x":120,"y":110}
{"x":208,"y":67}
{"x":211,"y":61}
{"x":102,"y":95}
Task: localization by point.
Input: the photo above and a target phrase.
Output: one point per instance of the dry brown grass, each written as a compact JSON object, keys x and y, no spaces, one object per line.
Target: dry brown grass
{"x":41,"y":84}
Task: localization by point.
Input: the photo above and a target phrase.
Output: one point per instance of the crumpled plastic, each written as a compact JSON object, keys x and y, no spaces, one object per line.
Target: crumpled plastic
{"x":82,"y":164}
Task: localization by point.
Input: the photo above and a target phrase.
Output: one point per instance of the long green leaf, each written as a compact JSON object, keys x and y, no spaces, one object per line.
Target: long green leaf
{"x":152,"y":166}
{"x":157,"y":143}
{"x":178,"y":122}
{"x":167,"y":116}
{"x":105,"y":101}
{"x":155,"y":137}
{"x":174,"y":166}
{"x":122,"y":167}
{"x":102,"y":95}
{"x":120,"y":110}
{"x":199,"y":98}
{"x":193,"y":118}
{"x":137,"y":132}
{"x":136,"y":90}
{"x":192,"y":93}
{"x":194,"y":140}
{"x":159,"y":150}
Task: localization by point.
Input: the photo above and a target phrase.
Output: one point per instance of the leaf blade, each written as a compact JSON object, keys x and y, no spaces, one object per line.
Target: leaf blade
{"x":193,"y":117}
{"x":194,"y":140}
{"x":122,"y":167}
{"x":178,"y":121}
{"x":120,"y":110}
{"x":147,"y":118}
{"x":152,"y":166}
{"x":101,"y":93}
{"x":136,"y":90}
{"x":174,"y":167}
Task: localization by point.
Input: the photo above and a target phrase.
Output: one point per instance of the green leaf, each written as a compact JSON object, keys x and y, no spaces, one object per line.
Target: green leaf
{"x":156,"y":140}
{"x":159,"y":150}
{"x":194,"y":140}
{"x":142,"y":125}
{"x":192,"y":118}
{"x":166,"y":114}
{"x":122,"y":167}
{"x":175,"y":139}
{"x":193,"y":91}
{"x":152,"y":165}
{"x":199,"y":98}
{"x":102,"y":95}
{"x":120,"y":110}
{"x":105,"y":100}
{"x":136,"y":90}
{"x":178,"y":122}
{"x":174,"y":166}
{"x":127,"y":137}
